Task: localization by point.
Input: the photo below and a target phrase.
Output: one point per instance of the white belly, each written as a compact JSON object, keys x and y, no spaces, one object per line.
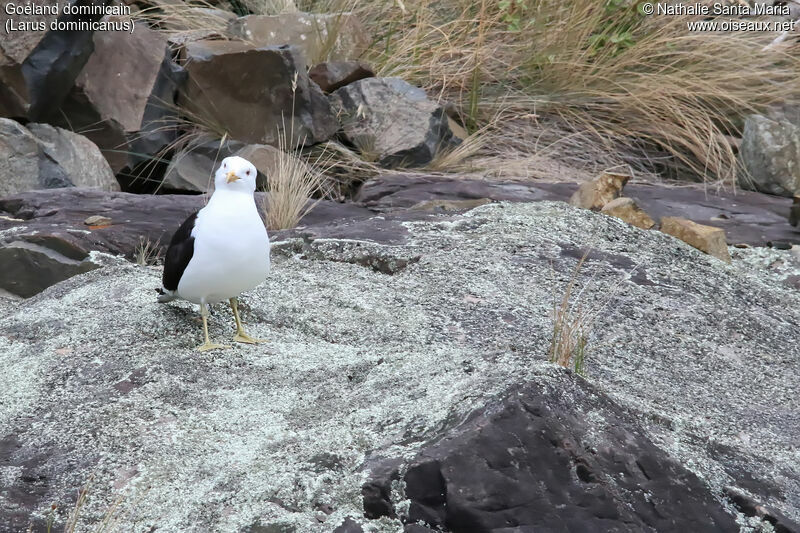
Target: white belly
{"x":231,"y":254}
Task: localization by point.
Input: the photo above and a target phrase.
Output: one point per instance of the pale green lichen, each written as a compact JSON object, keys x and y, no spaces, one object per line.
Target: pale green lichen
{"x":99,"y":374}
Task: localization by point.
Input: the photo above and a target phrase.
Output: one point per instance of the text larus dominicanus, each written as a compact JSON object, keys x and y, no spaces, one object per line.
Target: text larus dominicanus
{"x":221,"y":250}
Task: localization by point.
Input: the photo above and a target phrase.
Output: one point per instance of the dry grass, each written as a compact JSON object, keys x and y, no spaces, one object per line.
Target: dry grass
{"x":664,"y":99}
{"x":147,"y":253}
{"x":571,"y":327}
{"x":595,"y":82}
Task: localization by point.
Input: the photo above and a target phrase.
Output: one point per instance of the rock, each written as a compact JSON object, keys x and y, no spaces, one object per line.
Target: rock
{"x":393,"y":121}
{"x":531,"y":452}
{"x":253,"y":112}
{"x":693,"y":360}
{"x":38,"y":67}
{"x":794,"y":212}
{"x":29,"y":267}
{"x":771,"y":155}
{"x":122,"y":97}
{"x":42,"y":156}
{"x":708,"y":239}
{"x":440,"y":206}
{"x":320,"y":37}
{"x":626,"y":209}
{"x":597,"y":193}
{"x":97,"y":220}
{"x":192,"y":168}
{"x":332,"y":75}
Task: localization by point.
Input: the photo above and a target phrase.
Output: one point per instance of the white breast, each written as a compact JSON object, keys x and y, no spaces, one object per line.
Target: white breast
{"x":231,"y":250}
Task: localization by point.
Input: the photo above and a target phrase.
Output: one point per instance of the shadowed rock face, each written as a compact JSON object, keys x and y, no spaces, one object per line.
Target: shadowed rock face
{"x":555,"y":456}
{"x":392,"y":121}
{"x":252,"y":111}
{"x":690,"y":358}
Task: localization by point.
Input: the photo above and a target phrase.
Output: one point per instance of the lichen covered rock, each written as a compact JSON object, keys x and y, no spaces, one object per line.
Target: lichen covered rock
{"x":378,"y":349}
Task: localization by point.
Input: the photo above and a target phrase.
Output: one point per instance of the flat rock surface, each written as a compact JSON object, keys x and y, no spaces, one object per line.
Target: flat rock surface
{"x":134,"y":217}
{"x":377,"y":347}
{"x":747,"y":217}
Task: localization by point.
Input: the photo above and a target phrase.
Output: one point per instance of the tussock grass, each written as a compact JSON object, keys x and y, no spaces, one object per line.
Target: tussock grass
{"x":644,"y":87}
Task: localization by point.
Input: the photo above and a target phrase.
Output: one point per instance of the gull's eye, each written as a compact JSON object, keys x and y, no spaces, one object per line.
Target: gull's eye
{"x":248,"y":172}
{"x":224,"y":165}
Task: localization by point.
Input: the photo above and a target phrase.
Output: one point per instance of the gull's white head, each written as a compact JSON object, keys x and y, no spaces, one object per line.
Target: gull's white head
{"x":236,"y":174}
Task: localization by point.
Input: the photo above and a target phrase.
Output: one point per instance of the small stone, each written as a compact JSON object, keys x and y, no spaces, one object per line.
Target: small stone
{"x":97,"y":220}
{"x":597,"y":193}
{"x":707,"y":239}
{"x":627,"y":210}
{"x":741,"y":245}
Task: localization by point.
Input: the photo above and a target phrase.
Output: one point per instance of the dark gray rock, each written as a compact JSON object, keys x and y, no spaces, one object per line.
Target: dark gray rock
{"x":253,"y":110}
{"x":531,"y":460}
{"x":123,"y":98}
{"x":192,"y":168}
{"x":38,"y":68}
{"x":29,"y":267}
{"x":42,"y":156}
{"x":393,"y":122}
{"x":333,"y":75}
{"x":771,"y":154}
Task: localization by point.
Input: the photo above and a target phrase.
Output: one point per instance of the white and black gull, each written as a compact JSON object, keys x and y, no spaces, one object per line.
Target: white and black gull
{"x":220,"y":251}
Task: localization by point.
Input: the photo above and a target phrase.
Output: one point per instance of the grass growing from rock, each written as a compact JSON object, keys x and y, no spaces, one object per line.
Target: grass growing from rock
{"x":571,"y":326}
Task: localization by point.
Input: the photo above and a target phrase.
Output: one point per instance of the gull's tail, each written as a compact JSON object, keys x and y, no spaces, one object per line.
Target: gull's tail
{"x":165,"y":295}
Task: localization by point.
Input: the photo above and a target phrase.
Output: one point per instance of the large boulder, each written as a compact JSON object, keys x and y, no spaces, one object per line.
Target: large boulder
{"x":124,"y":97}
{"x":275,"y":93}
{"x":384,"y":350}
{"x":319,"y":36}
{"x":392,"y":121}
{"x":771,"y":154}
{"x":531,"y":459}
{"x":37,"y":66}
{"x":42,"y":156}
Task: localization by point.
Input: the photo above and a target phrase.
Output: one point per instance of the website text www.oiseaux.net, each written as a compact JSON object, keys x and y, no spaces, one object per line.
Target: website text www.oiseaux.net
{"x":739,"y":16}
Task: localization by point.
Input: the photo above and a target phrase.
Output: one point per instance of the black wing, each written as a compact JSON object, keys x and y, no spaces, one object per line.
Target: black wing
{"x":179,"y":253}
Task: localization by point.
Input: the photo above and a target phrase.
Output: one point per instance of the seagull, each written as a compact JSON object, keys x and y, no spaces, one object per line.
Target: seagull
{"x":221,"y":250}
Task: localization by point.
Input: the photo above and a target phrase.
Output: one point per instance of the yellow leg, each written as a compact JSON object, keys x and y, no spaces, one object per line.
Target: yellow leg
{"x":241,"y":336}
{"x":207,"y":345}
